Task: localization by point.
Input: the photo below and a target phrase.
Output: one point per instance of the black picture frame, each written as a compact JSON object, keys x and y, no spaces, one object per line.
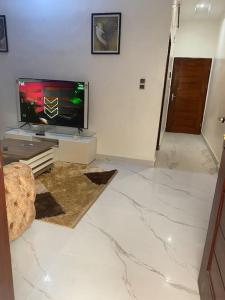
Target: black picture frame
{"x":3,"y":35}
{"x":111,"y":28}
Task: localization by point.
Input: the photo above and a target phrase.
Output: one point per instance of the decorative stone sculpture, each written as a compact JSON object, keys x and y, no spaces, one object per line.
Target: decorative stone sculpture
{"x":20,"y":196}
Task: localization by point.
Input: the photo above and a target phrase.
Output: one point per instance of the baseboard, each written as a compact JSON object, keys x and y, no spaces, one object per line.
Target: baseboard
{"x":216,"y":160}
{"x":147,"y":163}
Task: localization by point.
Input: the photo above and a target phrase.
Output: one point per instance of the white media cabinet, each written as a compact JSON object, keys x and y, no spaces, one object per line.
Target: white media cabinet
{"x":73,"y":149}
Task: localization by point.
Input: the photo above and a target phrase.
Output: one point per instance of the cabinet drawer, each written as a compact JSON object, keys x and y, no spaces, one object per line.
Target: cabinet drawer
{"x":222,"y":221}
{"x":220,"y":253}
{"x":216,"y":280}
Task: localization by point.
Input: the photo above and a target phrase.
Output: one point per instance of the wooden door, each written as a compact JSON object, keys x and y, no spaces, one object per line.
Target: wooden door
{"x":188,"y":95}
{"x":212,"y":275}
{"x":6,"y":282}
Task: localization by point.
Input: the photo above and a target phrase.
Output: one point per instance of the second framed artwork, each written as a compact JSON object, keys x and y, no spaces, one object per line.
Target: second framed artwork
{"x":106,"y":32}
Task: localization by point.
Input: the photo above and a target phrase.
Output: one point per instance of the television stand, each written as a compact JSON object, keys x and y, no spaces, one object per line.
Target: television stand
{"x":69,"y":148}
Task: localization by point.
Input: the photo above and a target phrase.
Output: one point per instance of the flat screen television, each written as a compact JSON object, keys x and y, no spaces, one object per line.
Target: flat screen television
{"x":53,"y":102}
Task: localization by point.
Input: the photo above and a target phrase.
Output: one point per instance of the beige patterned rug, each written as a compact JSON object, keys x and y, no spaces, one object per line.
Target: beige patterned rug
{"x":66,"y":193}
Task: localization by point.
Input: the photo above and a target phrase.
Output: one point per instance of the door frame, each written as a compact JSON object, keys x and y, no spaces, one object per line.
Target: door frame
{"x":6,"y":279}
{"x":164,"y":93}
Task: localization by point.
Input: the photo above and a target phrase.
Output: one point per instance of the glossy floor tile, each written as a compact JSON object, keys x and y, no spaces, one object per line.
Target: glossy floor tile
{"x":185,"y":152}
{"x":143,"y":239}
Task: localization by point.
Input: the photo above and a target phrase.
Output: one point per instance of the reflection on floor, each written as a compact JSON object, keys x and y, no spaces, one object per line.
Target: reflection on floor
{"x":143,"y":239}
{"x":185,"y":152}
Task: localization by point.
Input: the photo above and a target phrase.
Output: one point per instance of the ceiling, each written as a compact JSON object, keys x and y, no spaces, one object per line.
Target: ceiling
{"x":188,"y":10}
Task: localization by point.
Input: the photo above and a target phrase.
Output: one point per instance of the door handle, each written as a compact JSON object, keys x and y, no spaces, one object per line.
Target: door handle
{"x":173,"y":97}
{"x":222,"y":120}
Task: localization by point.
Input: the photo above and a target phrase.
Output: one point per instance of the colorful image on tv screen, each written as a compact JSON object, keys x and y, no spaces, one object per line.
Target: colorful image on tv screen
{"x":49,"y":102}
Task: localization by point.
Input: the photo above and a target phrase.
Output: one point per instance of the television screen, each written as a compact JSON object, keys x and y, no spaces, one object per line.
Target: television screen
{"x":53,"y":102}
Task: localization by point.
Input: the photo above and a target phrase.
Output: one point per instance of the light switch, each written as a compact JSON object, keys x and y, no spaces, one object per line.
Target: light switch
{"x":142,"y":83}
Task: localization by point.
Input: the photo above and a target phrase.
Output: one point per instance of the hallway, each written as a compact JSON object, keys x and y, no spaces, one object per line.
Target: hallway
{"x":143,"y":239}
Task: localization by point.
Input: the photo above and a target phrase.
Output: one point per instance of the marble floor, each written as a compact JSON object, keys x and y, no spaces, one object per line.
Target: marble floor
{"x":143,"y":239}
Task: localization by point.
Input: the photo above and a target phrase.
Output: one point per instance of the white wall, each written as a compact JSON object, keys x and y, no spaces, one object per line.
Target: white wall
{"x":197,"y":38}
{"x":52,"y":38}
{"x":213,"y":131}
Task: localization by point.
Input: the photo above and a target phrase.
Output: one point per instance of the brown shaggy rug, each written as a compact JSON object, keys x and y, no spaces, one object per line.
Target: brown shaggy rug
{"x":66,"y":193}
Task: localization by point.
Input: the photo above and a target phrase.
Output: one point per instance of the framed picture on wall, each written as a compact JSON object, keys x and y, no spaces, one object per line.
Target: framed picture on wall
{"x":3,"y":35}
{"x":106,"y":31}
